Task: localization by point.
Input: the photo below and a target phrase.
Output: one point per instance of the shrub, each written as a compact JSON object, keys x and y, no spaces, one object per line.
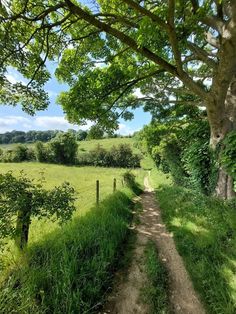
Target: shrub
{"x":18,"y":154}
{"x":41,"y":152}
{"x":64,"y":148}
{"x":21,"y":197}
{"x":228,"y":155}
{"x":117,"y":156}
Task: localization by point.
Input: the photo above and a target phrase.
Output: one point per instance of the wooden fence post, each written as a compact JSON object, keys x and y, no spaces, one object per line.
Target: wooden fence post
{"x":97,"y":192}
{"x":114,"y":185}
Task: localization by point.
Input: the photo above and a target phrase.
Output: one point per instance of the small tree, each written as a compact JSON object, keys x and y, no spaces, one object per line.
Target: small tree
{"x":95,"y":133}
{"x":64,"y":148}
{"x":41,"y":152}
{"x":20,"y":197}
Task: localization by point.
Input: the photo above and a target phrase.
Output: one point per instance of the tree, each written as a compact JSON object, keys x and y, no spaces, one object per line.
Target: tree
{"x":21,"y":197}
{"x":95,"y":133}
{"x":81,"y":135}
{"x":165,"y":48}
{"x":64,"y":148}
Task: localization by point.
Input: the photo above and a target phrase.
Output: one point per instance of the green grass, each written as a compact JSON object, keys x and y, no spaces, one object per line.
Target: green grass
{"x":107,"y":143}
{"x":70,"y":270}
{"x":83,"y":179}
{"x":155,"y":292}
{"x":85,"y":146}
{"x":204,"y":230}
{"x":156,"y":177}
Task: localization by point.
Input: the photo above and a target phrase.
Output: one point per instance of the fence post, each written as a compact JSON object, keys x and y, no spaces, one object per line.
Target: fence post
{"x":97,"y":192}
{"x":114,"y":185}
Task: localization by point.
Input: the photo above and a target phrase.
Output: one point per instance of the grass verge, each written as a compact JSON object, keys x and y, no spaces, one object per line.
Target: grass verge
{"x":204,"y":230}
{"x":69,"y":270}
{"x":156,"y":292}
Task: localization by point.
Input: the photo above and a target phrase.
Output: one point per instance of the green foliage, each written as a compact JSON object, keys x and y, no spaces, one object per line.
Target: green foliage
{"x":129,"y":180}
{"x":41,"y":152}
{"x":71,"y":270}
{"x":183,"y":150}
{"x":21,"y":197}
{"x":204,"y":232}
{"x":17,"y":154}
{"x":156,"y":290}
{"x":95,"y":133}
{"x":117,"y":156}
{"x":228,"y":154}
{"x":64,"y":148}
{"x":98,"y":93}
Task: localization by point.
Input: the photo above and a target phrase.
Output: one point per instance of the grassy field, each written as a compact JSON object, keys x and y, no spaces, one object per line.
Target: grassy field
{"x":85,"y":146}
{"x":83,"y":179}
{"x":107,"y":143}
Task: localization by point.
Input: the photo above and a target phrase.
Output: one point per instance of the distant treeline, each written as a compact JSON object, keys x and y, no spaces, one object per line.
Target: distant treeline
{"x":21,"y":137}
{"x":35,"y":136}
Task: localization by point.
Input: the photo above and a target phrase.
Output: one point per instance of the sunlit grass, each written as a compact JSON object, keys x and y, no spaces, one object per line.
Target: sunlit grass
{"x":204,"y":230}
{"x":83,"y":179}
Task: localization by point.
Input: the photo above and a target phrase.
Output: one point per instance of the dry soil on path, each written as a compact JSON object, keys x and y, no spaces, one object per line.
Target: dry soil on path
{"x":126,"y":296}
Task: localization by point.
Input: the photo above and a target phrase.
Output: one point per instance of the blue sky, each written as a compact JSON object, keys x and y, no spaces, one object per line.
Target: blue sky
{"x":13,"y":118}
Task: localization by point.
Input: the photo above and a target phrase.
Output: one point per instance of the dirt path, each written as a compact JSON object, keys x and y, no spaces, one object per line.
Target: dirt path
{"x":126,"y":296}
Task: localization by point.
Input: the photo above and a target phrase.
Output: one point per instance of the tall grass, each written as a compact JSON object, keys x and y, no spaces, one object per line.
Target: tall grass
{"x":204,"y":230}
{"x":70,"y":270}
{"x":155,"y":292}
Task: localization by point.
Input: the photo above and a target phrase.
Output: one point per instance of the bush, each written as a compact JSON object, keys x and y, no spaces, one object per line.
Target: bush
{"x":184,"y":152}
{"x":19,"y":154}
{"x":117,"y":156}
{"x":21,"y":197}
{"x":41,"y":152}
{"x":228,"y":155}
{"x":64,"y":148}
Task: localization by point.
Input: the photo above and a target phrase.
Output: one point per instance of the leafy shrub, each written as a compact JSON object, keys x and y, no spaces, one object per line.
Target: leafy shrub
{"x":18,"y":154}
{"x":129,"y":179}
{"x":21,"y":197}
{"x":64,"y":148}
{"x":228,"y":155}
{"x":184,"y":152}
{"x":41,"y":152}
{"x":117,"y":156}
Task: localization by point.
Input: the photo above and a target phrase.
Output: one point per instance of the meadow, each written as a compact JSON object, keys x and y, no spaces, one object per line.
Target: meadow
{"x":78,"y":251}
{"x":87,"y":145}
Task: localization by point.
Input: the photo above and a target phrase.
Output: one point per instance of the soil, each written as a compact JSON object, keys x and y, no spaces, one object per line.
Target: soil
{"x":126,"y":296}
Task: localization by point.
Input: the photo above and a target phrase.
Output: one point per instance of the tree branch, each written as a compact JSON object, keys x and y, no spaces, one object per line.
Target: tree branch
{"x":138,"y":8}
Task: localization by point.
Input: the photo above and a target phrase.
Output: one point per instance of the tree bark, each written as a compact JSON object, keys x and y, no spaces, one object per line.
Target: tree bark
{"x":222,"y":119}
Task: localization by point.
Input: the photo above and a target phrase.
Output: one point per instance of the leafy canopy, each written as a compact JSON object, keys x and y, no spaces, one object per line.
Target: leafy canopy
{"x":173,"y":51}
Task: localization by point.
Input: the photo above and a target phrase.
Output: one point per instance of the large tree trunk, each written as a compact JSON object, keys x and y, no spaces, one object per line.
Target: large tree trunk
{"x":222,"y":119}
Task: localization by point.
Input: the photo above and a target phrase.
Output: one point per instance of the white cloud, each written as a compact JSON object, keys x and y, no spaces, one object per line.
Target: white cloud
{"x":9,"y":123}
{"x":15,"y":77}
{"x":11,"y":78}
{"x":126,"y":130}
{"x":138,"y":93}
